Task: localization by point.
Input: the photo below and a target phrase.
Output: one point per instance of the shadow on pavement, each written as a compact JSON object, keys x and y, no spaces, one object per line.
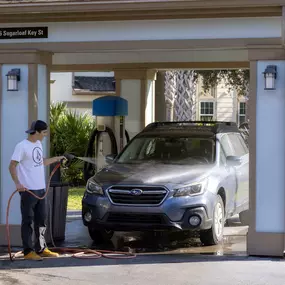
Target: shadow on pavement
{"x":140,"y":259}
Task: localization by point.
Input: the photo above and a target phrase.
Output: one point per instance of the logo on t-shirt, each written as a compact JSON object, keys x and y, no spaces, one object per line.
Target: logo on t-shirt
{"x":38,"y":156}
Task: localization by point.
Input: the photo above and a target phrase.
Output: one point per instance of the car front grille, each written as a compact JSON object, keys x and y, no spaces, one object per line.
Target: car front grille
{"x":133,"y":195}
{"x":126,"y":218}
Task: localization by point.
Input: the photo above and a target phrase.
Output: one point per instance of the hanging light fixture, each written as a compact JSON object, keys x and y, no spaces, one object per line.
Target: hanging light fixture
{"x":270,"y":75}
{"x":13,"y":78}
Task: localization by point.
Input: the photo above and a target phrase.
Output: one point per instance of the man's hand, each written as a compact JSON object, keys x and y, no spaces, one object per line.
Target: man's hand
{"x":59,"y":158}
{"x":20,"y":187}
{"x":48,"y":161}
{"x":13,"y":172}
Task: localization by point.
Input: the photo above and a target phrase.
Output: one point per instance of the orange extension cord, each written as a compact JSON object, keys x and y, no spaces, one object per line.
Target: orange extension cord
{"x":77,"y":252}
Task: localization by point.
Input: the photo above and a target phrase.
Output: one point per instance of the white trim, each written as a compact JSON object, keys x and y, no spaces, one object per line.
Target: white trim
{"x":143,"y":56}
{"x":208,"y":101}
{"x":239,"y":115}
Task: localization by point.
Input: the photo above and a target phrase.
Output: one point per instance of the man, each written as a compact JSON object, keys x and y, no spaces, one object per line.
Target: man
{"x":27,"y":171}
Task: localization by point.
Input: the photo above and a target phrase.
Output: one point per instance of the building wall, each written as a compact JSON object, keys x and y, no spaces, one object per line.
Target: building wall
{"x":175,"y":29}
{"x":225,"y":102}
{"x":61,"y":88}
{"x":61,"y":91}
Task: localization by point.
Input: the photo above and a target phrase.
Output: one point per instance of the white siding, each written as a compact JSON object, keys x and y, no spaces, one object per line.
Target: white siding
{"x":225,"y":104}
{"x":61,"y":89}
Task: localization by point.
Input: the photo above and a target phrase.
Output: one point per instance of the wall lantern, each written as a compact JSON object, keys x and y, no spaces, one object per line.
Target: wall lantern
{"x":270,"y":75}
{"x":13,"y":77}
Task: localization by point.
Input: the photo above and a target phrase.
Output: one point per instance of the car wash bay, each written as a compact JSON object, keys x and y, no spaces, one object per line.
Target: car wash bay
{"x":135,"y":49}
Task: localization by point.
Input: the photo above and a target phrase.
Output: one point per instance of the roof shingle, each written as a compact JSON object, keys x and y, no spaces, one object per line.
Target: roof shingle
{"x":39,"y":1}
{"x":96,"y":84}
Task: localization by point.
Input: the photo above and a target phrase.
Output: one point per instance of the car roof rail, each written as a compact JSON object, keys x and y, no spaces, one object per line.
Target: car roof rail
{"x":214,"y":126}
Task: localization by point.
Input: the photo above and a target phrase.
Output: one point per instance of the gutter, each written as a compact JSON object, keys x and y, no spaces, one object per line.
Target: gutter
{"x":125,"y":5}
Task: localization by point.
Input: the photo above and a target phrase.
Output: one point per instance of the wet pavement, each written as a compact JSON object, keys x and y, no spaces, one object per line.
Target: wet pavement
{"x":161,"y":259}
{"x":234,"y":242}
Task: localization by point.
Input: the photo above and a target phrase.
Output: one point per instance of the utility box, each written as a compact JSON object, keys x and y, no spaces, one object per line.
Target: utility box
{"x":56,"y":203}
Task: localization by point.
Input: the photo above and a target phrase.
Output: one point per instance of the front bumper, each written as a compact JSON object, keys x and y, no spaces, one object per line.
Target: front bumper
{"x":144,"y":220}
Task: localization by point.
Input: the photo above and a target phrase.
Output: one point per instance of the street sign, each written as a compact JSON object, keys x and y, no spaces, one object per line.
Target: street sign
{"x":23,"y":33}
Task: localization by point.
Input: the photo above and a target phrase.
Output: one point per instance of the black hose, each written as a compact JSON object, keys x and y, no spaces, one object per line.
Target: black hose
{"x":127,"y":136}
{"x":90,"y":169}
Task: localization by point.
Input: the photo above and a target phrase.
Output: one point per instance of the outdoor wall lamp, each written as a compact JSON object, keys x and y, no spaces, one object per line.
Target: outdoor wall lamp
{"x":270,"y":75}
{"x":13,"y":77}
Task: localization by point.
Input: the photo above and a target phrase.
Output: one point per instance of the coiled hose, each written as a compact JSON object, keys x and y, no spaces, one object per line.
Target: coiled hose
{"x":76,"y":252}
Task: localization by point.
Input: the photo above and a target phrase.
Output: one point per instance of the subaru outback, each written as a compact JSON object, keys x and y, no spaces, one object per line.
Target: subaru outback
{"x":185,"y":176}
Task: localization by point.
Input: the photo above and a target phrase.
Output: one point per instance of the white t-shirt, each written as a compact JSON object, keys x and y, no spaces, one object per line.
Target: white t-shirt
{"x":30,"y":169}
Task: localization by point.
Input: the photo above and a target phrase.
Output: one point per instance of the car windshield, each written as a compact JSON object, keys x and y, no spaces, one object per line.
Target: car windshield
{"x":169,"y":149}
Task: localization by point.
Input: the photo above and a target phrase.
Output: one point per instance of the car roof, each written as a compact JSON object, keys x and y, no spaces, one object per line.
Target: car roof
{"x":176,"y":133}
{"x":193,"y":127}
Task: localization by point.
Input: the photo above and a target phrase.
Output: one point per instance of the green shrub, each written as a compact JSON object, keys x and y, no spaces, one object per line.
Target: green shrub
{"x":70,"y":132}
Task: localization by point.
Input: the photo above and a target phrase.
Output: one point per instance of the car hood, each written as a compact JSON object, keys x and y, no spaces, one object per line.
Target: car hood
{"x":152,"y":173}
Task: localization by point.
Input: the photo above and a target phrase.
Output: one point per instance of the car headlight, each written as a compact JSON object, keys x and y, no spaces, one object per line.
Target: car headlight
{"x":94,"y":188}
{"x":191,"y":190}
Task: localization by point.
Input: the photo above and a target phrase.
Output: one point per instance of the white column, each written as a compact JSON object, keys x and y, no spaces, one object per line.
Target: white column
{"x":160,"y":103}
{"x":270,"y":152}
{"x":44,"y":102}
{"x":18,"y":109}
{"x":14,"y":123}
{"x":138,"y":87}
{"x":267,"y":159}
{"x":131,"y":91}
{"x":150,"y":102}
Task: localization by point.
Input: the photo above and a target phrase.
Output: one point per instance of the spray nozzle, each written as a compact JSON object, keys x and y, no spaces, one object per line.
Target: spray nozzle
{"x":67,"y":162}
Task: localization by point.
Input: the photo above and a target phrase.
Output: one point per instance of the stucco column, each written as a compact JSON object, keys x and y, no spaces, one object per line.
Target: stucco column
{"x":18,"y":109}
{"x":160,"y":104}
{"x":138,"y":87}
{"x":267,"y":156}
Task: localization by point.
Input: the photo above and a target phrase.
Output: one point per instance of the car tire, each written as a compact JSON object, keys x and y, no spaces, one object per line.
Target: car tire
{"x":100,"y":235}
{"x":214,"y":235}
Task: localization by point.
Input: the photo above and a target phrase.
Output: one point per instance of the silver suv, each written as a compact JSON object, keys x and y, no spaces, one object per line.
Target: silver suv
{"x":185,"y":176}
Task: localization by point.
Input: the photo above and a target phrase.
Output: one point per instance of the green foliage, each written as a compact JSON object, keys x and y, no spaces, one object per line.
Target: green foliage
{"x":70,"y":132}
{"x":236,"y":78}
{"x":74,"y":198}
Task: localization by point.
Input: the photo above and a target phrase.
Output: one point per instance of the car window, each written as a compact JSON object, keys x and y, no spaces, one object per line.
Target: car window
{"x":150,"y":148}
{"x":237,"y":147}
{"x":222,"y":157}
{"x":169,"y":148}
{"x":226,"y":145}
{"x":242,"y":141}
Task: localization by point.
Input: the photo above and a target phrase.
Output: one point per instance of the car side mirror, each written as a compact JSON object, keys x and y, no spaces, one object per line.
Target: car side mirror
{"x":233,"y":160}
{"x":110,"y":158}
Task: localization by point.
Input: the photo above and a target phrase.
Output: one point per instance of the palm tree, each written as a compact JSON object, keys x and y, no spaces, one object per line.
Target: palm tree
{"x":180,"y":95}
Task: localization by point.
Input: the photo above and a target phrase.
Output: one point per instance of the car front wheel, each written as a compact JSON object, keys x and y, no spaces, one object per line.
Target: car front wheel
{"x":214,"y":235}
{"x":100,"y":235}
